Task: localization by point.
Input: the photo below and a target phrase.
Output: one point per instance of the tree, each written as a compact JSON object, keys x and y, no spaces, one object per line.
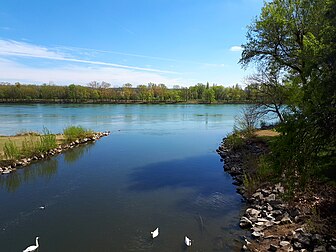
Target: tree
{"x":208,"y":95}
{"x":271,"y":93}
{"x":297,"y":37}
{"x":127,"y":91}
{"x":279,"y":37}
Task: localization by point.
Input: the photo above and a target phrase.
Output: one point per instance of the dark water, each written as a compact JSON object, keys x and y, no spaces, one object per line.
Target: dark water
{"x":158,"y":168}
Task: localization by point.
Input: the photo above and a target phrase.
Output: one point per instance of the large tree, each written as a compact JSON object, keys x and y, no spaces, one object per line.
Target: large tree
{"x":297,"y":37}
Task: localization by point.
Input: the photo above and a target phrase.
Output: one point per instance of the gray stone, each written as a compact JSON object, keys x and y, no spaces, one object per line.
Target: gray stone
{"x":332,"y":248}
{"x":258,"y":195}
{"x":297,"y":245}
{"x":320,"y":248}
{"x":270,"y":198}
{"x":265,"y":192}
{"x":304,"y":240}
{"x":253,"y":212}
{"x":317,"y":238}
{"x":284,"y":243}
{"x":273,"y":247}
{"x":276,"y":212}
{"x":285,"y":220}
{"x":257,"y":234}
{"x":245,"y":222}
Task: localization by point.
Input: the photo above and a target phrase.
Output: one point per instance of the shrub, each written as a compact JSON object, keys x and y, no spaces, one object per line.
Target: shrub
{"x":72,"y":133}
{"x":235,"y":141}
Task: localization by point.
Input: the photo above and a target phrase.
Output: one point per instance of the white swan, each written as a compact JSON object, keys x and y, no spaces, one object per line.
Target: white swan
{"x":32,"y":247}
{"x":155,"y":233}
{"x":187,"y":241}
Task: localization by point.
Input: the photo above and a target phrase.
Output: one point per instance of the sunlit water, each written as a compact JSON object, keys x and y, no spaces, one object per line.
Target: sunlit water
{"x":158,"y":168}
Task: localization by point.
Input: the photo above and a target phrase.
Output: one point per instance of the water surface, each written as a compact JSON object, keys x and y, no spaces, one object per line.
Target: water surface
{"x":158,"y":168}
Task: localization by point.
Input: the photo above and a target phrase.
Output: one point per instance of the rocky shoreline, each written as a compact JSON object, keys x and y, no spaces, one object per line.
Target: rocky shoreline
{"x":275,"y":225}
{"x":13,"y":166}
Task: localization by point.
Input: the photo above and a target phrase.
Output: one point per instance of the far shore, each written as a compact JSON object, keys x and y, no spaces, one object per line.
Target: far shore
{"x":57,"y":101}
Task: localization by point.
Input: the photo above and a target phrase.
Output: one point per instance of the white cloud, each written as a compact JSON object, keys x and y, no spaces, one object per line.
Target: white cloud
{"x":15,"y":48}
{"x":12,"y":72}
{"x":236,"y":49}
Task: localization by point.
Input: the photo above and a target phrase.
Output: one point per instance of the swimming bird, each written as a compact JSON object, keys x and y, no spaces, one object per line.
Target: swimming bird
{"x":187,"y":241}
{"x":32,"y":247}
{"x":155,"y":233}
{"x":42,"y":207}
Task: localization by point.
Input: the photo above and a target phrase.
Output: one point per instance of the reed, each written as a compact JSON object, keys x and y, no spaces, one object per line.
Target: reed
{"x":11,"y":151}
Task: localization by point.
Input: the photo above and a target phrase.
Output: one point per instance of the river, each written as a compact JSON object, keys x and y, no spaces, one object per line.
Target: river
{"x":158,"y":168}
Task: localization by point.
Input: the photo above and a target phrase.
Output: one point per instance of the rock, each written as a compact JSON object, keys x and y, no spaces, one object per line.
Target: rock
{"x":252,"y":212}
{"x":265,"y":192}
{"x":284,"y":243}
{"x":270,"y":198}
{"x":245,"y":222}
{"x":305,"y":241}
{"x":320,"y":248}
{"x":273,"y":248}
{"x":269,"y":207}
{"x":294,"y":212}
{"x":258,"y":228}
{"x":297,"y":245}
{"x":300,"y":230}
{"x":281,"y":189}
{"x":271,"y":237}
{"x":257,"y":234}
{"x":258,"y":195}
{"x":332,"y":248}
{"x":285,"y":220}
{"x":317,"y":239}
{"x":276,"y":213}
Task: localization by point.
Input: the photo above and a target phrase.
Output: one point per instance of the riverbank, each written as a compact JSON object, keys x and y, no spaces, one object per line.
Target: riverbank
{"x":302,"y":222}
{"x":8,"y":165}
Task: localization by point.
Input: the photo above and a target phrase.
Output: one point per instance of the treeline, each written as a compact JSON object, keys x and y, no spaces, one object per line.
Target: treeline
{"x":96,"y":92}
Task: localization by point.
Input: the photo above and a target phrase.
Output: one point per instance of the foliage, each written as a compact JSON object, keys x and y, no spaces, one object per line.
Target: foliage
{"x":73,"y":133}
{"x":296,"y":38}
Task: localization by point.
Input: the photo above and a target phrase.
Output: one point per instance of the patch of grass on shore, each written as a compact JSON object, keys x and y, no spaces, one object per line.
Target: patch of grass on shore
{"x":27,"y":145}
{"x":73,"y":133}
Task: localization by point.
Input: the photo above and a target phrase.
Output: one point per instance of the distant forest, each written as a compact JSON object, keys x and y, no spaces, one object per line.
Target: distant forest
{"x":102,"y":92}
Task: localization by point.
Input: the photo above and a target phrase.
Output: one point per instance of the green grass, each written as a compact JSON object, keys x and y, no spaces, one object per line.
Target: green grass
{"x":11,"y":151}
{"x":73,"y":133}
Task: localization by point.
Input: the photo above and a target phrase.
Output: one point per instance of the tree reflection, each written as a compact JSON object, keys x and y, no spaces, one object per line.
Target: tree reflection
{"x":72,"y":155}
{"x":44,"y":168}
{"x":13,"y":181}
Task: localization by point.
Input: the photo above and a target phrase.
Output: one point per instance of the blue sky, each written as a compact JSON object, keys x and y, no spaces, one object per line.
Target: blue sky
{"x":175,"y":42}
